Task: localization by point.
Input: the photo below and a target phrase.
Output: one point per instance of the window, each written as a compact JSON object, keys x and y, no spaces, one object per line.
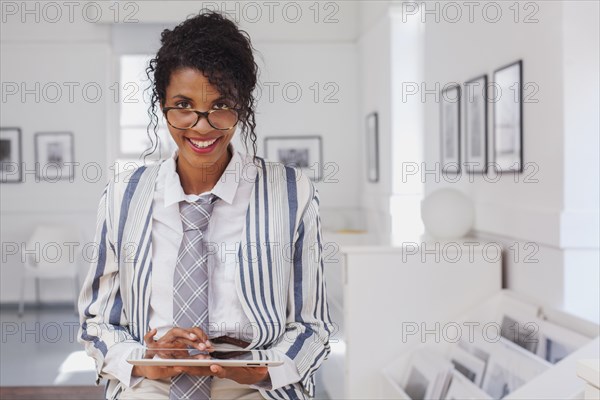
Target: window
{"x":134,"y":98}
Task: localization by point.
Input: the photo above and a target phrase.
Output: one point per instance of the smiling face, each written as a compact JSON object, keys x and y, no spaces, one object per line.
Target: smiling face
{"x":189,"y":88}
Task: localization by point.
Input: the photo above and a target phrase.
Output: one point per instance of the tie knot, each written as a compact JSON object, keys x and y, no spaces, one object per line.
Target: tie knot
{"x":195,"y":215}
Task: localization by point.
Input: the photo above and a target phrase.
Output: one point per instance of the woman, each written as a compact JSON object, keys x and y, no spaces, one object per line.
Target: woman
{"x":250,"y":274}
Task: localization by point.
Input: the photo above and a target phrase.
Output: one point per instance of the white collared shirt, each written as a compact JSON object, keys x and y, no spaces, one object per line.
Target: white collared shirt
{"x":223,"y":236}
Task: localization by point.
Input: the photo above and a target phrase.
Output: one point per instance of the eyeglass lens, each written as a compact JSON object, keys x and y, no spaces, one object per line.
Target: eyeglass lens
{"x":185,"y":119}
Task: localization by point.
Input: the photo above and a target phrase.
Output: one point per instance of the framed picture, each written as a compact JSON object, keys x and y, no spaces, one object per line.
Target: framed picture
{"x":500,"y":381}
{"x":520,"y":332}
{"x":508,"y":365}
{"x":450,"y":129}
{"x":467,"y":364}
{"x":509,"y":368}
{"x":427,"y":376}
{"x":10,"y":155}
{"x":557,"y":342}
{"x":461,"y":389}
{"x":476,"y":122}
{"x":508,"y":118}
{"x":302,"y":152}
{"x":54,"y":155}
{"x":372,"y":127}
{"x":479,"y":353}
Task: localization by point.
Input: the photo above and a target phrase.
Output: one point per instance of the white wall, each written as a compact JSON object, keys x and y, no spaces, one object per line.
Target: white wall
{"x":407,"y":49}
{"x":375,"y":64}
{"x":581,"y":40}
{"x":580,"y":220}
{"x":358,"y":51}
{"x":326,"y":75}
{"x":391,"y":53}
{"x":295,"y":22}
{"x":51,"y":56}
{"x":319,"y":48}
{"x":526,"y":212}
{"x":457,"y":52}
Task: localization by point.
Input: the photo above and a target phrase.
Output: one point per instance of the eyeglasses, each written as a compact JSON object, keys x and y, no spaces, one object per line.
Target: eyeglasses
{"x":185,"y":118}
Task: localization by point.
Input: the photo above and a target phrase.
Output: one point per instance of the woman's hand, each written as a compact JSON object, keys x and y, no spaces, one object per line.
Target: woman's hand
{"x":149,"y":372}
{"x":179,"y":338}
{"x":175,"y":338}
{"x":243,"y":375}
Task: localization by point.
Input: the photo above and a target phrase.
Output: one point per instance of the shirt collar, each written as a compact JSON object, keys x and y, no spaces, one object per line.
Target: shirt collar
{"x":225,"y":188}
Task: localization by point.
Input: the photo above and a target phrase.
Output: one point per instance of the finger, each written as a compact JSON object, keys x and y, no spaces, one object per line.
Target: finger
{"x":180,"y":333}
{"x":179,"y":344}
{"x":201,"y":356}
{"x":219,"y":371}
{"x":168,"y":354}
{"x":149,"y":336}
{"x":161,"y":372}
{"x":197,"y":371}
{"x":182,"y":343}
{"x":172,"y":371}
{"x":204,"y":344}
{"x":198,"y":344}
{"x":201,"y":334}
{"x":162,"y":344}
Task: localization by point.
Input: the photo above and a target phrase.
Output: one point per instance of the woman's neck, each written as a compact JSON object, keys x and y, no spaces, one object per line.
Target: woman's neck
{"x":197,"y":180}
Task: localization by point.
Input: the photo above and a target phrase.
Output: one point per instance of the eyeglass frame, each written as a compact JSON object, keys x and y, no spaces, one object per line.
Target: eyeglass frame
{"x":201,"y":114}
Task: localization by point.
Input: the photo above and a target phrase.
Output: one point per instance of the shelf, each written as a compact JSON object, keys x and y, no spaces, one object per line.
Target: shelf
{"x":546,"y":380}
{"x":381,"y":290}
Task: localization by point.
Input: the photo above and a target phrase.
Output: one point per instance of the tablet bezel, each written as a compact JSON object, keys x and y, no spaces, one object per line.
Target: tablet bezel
{"x":137,"y":357}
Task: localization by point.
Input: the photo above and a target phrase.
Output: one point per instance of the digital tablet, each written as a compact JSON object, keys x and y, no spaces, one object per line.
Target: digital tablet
{"x":197,"y":358}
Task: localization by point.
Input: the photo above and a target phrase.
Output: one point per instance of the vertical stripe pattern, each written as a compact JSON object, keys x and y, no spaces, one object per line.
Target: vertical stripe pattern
{"x":280,"y":278}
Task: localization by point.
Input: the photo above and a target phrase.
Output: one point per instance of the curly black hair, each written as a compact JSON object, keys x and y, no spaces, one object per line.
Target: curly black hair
{"x":212,"y":44}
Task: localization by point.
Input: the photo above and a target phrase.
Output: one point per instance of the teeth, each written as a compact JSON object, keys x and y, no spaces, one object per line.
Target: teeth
{"x":202,"y":144}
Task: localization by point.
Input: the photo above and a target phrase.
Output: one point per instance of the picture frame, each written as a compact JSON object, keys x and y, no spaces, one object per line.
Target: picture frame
{"x":520,"y":331}
{"x":302,"y":152}
{"x":508,"y":117}
{"x":467,"y":364}
{"x":372,"y":138}
{"x":478,"y":352}
{"x":476,"y":124}
{"x":54,"y":156}
{"x":428,"y":375}
{"x":509,"y":365}
{"x":462,"y":388}
{"x":450,"y":129}
{"x":500,"y":381}
{"x":11,"y":155}
{"x":553,"y":350}
{"x":557,"y":342}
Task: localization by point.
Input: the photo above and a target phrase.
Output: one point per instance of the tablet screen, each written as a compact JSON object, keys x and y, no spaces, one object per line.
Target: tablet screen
{"x":194,"y":357}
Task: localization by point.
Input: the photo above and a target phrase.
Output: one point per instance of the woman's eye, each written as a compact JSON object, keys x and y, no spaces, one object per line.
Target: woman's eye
{"x":183,"y":104}
{"x":221,"y":105}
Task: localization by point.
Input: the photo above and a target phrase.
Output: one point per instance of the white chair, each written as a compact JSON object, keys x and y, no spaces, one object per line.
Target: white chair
{"x":52,"y":252}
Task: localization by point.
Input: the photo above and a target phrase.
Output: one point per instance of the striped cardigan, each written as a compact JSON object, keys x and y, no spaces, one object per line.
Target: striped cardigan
{"x":280,"y":278}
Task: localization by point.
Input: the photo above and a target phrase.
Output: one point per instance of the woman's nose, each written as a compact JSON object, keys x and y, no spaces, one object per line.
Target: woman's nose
{"x":202,"y":127}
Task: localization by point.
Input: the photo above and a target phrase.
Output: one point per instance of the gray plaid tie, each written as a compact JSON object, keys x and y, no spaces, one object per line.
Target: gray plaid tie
{"x":190,"y":289}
